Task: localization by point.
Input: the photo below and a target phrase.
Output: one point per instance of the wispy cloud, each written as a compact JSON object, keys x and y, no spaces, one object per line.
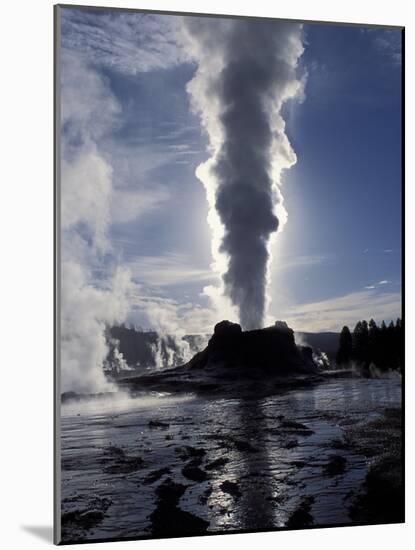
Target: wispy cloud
{"x":169,"y":270}
{"x":387,"y":42}
{"x":129,"y":205}
{"x":126,"y":41}
{"x":333,"y":313}
{"x":380,"y":283}
{"x":290,"y":262}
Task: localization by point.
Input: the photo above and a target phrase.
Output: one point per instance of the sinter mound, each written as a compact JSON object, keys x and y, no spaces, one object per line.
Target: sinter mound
{"x":242,"y":362}
{"x":272,"y":349}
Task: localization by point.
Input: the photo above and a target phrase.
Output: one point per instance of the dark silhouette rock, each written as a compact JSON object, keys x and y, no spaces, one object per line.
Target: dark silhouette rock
{"x":272,"y":349}
{"x":249,"y":362}
{"x":227,"y":329}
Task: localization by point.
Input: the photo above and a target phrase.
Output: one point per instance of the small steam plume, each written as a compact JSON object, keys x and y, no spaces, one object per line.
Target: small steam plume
{"x":171,"y":349}
{"x":246,"y":71}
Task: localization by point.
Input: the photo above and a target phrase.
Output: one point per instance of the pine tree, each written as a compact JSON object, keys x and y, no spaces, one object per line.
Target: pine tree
{"x":344,"y":353}
{"x":361,"y":343}
{"x":373,"y":342}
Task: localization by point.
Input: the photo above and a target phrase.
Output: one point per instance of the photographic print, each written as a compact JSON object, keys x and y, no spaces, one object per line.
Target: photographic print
{"x":229,"y":320}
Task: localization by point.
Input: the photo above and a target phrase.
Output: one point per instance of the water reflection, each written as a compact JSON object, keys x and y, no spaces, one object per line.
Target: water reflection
{"x":256,"y":506}
{"x":273,"y":451}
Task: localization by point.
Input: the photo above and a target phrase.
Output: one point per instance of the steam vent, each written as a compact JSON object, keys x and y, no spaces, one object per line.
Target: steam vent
{"x":272,"y":349}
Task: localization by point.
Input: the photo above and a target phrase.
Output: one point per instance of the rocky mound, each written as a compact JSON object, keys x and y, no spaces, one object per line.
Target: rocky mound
{"x":254,"y":362}
{"x":272,"y":350}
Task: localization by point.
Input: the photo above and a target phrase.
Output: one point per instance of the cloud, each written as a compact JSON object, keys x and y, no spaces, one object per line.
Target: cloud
{"x":89,"y":111}
{"x":129,"y":205}
{"x":128,"y":42}
{"x":86,"y":195}
{"x":370,"y":287}
{"x":384,"y":282}
{"x":168,"y":270}
{"x":293,"y":262}
{"x":387,"y":42}
{"x":333,"y":313}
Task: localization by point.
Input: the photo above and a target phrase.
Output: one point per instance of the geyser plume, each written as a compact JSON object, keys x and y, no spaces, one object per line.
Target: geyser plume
{"x":247,"y":69}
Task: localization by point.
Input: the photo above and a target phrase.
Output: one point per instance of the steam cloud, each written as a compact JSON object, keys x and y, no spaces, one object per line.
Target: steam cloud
{"x":247,"y":69}
{"x":88,"y":113}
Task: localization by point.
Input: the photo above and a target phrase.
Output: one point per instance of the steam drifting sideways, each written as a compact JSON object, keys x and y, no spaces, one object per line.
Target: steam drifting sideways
{"x":247,"y":69}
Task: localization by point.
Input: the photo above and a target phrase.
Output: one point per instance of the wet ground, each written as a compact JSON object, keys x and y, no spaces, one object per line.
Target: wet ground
{"x":159,"y":465}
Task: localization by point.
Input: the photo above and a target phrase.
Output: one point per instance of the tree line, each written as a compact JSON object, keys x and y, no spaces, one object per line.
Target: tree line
{"x":370,"y":344}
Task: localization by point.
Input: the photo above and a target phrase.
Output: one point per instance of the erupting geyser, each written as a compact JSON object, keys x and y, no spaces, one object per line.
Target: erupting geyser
{"x":246,"y":71}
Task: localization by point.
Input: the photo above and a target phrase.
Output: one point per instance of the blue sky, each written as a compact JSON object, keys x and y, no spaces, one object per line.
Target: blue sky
{"x":338,"y":258}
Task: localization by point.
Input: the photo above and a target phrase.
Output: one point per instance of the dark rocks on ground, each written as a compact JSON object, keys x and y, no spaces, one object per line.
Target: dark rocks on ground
{"x":301,"y":517}
{"x":194,"y":473}
{"x":168,"y":519}
{"x":204,"y":497}
{"x":290,"y":426}
{"x":244,"y":446}
{"x":231,"y":488}
{"x":336,"y":466}
{"x":116,"y":461}
{"x":82,"y":520}
{"x":155,"y":475}
{"x":158,"y":424}
{"x":190,"y":452}
{"x":77,"y":521}
{"x":216,"y":464}
{"x":382,"y":499}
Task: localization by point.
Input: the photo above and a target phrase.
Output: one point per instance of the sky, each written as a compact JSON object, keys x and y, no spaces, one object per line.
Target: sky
{"x":135,"y":235}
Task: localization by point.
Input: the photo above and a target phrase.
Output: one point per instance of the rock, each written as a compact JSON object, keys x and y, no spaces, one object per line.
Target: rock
{"x":244,"y":446}
{"x":116,"y":461}
{"x":156,"y":475}
{"x":302,"y":517}
{"x":194,"y":473}
{"x":282,"y":325}
{"x":158,"y":424}
{"x":77,"y":521}
{"x":226,"y":328}
{"x":168,"y":519}
{"x":231,"y":488}
{"x":216,"y":464}
{"x":190,"y":452}
{"x":271,"y":349}
{"x":336,"y":466}
{"x":290,"y":426}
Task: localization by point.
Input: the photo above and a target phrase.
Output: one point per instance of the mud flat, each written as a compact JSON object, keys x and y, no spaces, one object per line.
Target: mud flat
{"x":170,"y":465}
